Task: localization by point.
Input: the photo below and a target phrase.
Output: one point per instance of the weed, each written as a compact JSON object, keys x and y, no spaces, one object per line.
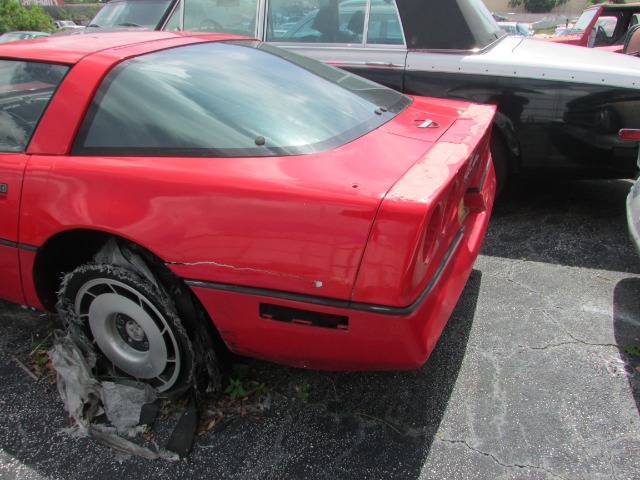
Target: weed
{"x":235,"y":389}
{"x":39,"y":362}
{"x":632,"y":350}
{"x":302,"y":389}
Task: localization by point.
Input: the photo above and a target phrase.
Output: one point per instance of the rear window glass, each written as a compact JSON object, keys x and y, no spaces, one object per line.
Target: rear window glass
{"x":464,"y":25}
{"x":231,"y":99}
{"x":25,"y":91}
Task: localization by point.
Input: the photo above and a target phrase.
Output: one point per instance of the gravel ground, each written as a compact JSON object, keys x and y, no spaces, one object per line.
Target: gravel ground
{"x":530,"y":379}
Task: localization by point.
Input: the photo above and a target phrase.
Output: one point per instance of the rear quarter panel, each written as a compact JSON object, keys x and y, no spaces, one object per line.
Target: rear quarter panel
{"x":291,"y":223}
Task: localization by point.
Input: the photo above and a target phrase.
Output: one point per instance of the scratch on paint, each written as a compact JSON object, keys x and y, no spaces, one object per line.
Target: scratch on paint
{"x":317,"y":283}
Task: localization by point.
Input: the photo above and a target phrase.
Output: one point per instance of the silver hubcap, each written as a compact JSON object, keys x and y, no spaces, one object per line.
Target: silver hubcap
{"x":130,"y":331}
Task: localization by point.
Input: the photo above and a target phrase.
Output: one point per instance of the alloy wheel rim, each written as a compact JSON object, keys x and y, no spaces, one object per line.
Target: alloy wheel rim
{"x":130,"y":331}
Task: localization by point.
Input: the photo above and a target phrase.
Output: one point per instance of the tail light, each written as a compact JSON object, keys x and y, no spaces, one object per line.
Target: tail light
{"x":629,"y":134}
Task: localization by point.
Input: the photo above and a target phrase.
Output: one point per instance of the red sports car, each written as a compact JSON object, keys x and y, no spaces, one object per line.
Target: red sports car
{"x":158,"y":187}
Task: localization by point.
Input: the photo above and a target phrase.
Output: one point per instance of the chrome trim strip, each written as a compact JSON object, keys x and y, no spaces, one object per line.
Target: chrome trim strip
{"x":387,"y":65}
{"x":471,"y":51}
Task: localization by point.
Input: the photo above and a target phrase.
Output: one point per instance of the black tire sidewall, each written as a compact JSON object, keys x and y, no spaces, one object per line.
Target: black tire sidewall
{"x":500,"y":158}
{"x":75,"y":280}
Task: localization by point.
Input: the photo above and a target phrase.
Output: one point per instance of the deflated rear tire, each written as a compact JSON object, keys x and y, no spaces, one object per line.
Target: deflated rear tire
{"x":129,"y":325}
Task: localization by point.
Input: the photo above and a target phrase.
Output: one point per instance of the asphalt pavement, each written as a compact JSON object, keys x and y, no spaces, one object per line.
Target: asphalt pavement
{"x":533,"y":377}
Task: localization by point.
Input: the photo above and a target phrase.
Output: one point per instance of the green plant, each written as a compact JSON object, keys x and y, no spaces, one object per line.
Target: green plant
{"x":235,"y":389}
{"x":15,"y":16}
{"x":537,"y":6}
{"x":302,"y":389}
{"x":39,"y":356}
{"x":632,"y":350}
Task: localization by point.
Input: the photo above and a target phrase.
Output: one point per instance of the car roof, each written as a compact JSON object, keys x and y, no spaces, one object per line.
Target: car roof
{"x":71,"y":48}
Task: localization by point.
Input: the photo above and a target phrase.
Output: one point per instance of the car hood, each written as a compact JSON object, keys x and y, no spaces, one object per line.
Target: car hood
{"x":531,"y":58}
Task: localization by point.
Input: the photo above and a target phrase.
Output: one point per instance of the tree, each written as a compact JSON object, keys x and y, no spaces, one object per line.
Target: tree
{"x":15,"y":16}
{"x":537,"y":6}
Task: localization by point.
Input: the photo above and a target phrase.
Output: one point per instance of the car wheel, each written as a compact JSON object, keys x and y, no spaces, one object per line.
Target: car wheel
{"x":130,"y":323}
{"x":500,"y":157}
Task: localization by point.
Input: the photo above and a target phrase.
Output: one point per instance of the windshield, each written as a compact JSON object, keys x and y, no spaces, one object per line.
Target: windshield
{"x":584,"y":20}
{"x":139,"y":13}
{"x":231,"y":99}
{"x":449,"y":25}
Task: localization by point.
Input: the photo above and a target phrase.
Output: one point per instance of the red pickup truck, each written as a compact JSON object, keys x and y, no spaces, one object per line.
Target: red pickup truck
{"x":603,"y":25}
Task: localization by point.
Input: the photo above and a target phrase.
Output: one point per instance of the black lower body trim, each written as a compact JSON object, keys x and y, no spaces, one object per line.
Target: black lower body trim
{"x":22,"y":246}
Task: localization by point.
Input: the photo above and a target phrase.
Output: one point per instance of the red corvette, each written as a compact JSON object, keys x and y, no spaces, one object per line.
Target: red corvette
{"x":158,"y":187}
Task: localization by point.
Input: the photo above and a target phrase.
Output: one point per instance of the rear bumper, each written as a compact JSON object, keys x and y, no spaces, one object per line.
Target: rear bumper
{"x":369,"y":337}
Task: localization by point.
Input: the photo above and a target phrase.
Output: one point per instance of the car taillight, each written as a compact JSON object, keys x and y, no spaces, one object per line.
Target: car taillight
{"x":629,"y":134}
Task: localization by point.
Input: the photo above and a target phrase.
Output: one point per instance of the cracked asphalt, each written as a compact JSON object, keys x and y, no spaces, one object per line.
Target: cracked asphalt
{"x":530,"y":379}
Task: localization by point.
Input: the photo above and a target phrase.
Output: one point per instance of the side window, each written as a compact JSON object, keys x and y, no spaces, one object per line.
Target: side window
{"x":384,"y":24}
{"x":604,"y":30}
{"x":224,"y":16}
{"x":325,"y":22}
{"x":608,"y":24}
{"x":25,"y":91}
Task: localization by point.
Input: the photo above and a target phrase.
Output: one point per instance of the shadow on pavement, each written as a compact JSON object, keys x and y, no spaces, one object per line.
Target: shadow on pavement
{"x":591,"y":216}
{"x":362,"y":425}
{"x":626,"y":326}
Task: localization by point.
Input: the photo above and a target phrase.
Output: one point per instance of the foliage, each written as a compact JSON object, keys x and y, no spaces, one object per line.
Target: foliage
{"x":14,"y":16}
{"x":537,"y":6}
{"x":302,"y":389}
{"x":632,"y":350}
{"x":39,"y":361}
{"x":240,"y":386}
{"x":78,"y":14}
{"x":235,"y":389}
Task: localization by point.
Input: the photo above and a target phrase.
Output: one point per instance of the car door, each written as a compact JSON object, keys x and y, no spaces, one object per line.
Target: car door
{"x":362,"y":36}
{"x":13,"y":139}
{"x":25,"y":90}
{"x":12,"y":167}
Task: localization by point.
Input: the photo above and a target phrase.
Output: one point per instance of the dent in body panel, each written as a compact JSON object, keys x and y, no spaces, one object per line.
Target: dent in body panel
{"x":316,"y":283}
